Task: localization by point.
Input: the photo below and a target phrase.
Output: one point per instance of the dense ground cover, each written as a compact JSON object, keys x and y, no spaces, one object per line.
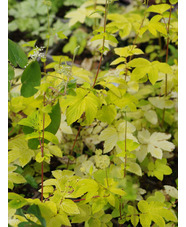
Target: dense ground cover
{"x":93,"y":113}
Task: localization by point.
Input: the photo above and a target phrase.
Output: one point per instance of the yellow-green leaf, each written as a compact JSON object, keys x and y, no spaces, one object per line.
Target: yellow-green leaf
{"x":84,"y":215}
{"x":79,"y":104}
{"x":17,"y":201}
{"x":58,"y":220}
{"x":117,"y":191}
{"x":153,"y":74}
{"x":151,"y":116}
{"x":18,"y":147}
{"x":161,"y":8}
{"x":98,"y":205}
{"x":75,"y":16}
{"x":69,"y":207}
{"x":139,"y":62}
{"x":107,"y":114}
{"x":16,"y":178}
{"x":134,"y":168}
{"x":128,"y":51}
{"x":118,"y":60}
{"x":110,"y":136}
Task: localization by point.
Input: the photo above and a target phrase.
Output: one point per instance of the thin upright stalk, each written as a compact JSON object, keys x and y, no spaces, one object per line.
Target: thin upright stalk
{"x":107,"y":177}
{"x":44,"y":103}
{"x":74,"y":143}
{"x":167,"y":54}
{"x":101,"y":57}
{"x":125,"y":165}
{"x":120,"y":214}
{"x":42,"y":150}
{"x":48,"y":27}
{"x":42,"y":153}
{"x":134,"y":43}
{"x":95,"y":19}
{"x":103,"y":45}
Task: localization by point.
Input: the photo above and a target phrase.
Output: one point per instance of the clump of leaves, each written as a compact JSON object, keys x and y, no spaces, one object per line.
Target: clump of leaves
{"x":86,"y":138}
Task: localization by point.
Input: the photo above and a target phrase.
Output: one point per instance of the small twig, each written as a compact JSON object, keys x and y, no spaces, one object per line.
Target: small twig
{"x":74,"y":145}
{"x":54,"y":89}
{"x":11,"y":131}
{"x":173,"y":204}
{"x":50,"y":195}
{"x":96,"y":196}
{"x":128,"y":216}
{"x":54,"y":76}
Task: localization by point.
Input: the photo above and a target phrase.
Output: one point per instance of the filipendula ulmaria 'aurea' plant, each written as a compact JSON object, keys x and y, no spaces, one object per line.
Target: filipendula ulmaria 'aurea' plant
{"x":126,"y":126}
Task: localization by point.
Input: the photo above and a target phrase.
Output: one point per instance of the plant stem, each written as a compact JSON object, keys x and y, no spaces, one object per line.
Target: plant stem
{"x":11,"y":131}
{"x":95,"y":19}
{"x":173,"y":204}
{"x":48,"y":27}
{"x":107,"y":177}
{"x":134,"y":43}
{"x":74,"y":144}
{"x":167,"y":53}
{"x":105,"y":19}
{"x":44,"y":103}
{"x":76,"y":139}
{"x":120,"y":207}
{"x":96,"y":196}
{"x":102,"y":51}
{"x":42,"y":150}
{"x":125,"y":165}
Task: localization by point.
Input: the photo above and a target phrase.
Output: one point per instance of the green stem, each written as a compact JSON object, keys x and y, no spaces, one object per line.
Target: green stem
{"x":105,"y":19}
{"x":107,"y":177}
{"x":44,"y":103}
{"x":95,"y":19}
{"x":167,"y":54}
{"x":120,"y":214}
{"x":42,"y":150}
{"x":125,"y":165}
{"x":48,"y":27}
{"x":134,"y":42}
{"x":103,"y":45}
